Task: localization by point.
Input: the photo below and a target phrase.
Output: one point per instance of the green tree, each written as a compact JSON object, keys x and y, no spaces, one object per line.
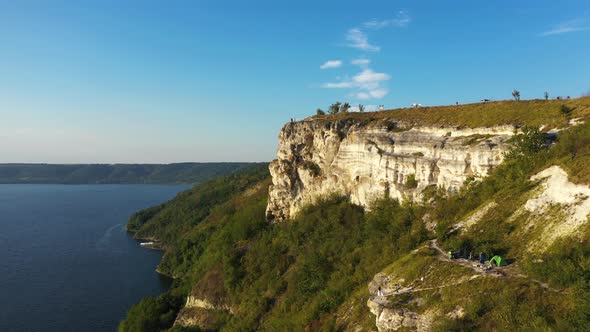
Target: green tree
{"x":516,"y":94}
{"x":546,"y":95}
{"x":344,"y":108}
{"x":361,"y":108}
{"x":334,"y":108}
{"x":527,"y":143}
{"x":319,"y":111}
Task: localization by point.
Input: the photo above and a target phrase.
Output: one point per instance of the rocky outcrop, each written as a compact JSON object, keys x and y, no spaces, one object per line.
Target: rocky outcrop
{"x":389,"y":319}
{"x":365,"y":160}
{"x":206,"y":303}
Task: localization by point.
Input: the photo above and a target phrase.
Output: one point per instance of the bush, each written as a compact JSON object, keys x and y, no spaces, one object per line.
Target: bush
{"x":567,"y":111}
{"x":411,"y":182}
{"x":152,"y":314}
{"x":312,"y":167}
{"x":527,"y":143}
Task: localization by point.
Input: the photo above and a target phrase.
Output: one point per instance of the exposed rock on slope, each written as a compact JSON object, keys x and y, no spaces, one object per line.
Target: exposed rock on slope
{"x":572,"y":199}
{"x":205,"y":303}
{"x":367,"y":160}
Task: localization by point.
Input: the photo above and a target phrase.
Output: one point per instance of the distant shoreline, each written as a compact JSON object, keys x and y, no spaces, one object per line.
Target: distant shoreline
{"x":175,"y":173}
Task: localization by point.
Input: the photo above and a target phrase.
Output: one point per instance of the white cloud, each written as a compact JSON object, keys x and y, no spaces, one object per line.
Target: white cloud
{"x":565,"y":27}
{"x":401,"y":20}
{"x":358,"y":39}
{"x":331,"y":64}
{"x":368,"y":76}
{"x":360,"y":62}
{"x":372,"y":94}
{"x":367,"y":83}
{"x":378,"y":93}
{"x":363,"y":95}
{"x":338,"y":85}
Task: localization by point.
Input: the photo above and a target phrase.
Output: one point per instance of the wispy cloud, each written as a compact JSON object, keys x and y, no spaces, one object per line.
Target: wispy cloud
{"x":361,"y":62}
{"x":338,"y":85}
{"x":367,"y":84}
{"x":358,"y":39}
{"x":402,"y":20}
{"x":372,"y":94}
{"x":567,"y":26}
{"x":331,"y":64}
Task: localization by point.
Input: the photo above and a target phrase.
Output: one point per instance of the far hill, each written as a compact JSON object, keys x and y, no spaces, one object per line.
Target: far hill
{"x":179,"y":173}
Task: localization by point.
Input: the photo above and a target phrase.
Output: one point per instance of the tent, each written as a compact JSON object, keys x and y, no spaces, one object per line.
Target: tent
{"x":498,"y":260}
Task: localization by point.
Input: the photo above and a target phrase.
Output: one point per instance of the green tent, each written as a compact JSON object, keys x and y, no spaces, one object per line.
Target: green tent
{"x":498,"y":260}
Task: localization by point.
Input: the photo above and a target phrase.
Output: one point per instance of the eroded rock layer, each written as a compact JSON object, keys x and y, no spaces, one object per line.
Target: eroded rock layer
{"x":367,"y":160}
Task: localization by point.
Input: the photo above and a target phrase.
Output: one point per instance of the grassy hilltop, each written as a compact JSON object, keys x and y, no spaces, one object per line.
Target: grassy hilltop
{"x":525,"y":112}
{"x":312,"y":273}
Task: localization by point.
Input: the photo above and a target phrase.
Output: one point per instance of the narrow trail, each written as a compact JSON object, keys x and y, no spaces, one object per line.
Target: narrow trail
{"x":502,"y":272}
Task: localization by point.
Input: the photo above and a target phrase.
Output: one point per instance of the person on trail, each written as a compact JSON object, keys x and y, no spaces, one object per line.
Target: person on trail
{"x":482,"y":258}
{"x":379,"y":292}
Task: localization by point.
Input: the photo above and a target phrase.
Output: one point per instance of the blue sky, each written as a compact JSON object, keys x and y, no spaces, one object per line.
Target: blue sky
{"x":170,"y":81}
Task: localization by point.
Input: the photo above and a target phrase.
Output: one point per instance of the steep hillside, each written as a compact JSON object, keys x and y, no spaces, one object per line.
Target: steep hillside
{"x":527,"y":211}
{"x":321,"y":270}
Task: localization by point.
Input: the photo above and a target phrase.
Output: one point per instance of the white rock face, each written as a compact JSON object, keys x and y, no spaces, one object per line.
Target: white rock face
{"x":364,"y":161}
{"x":573,"y":199}
{"x":390,"y":319}
{"x":196,"y":312}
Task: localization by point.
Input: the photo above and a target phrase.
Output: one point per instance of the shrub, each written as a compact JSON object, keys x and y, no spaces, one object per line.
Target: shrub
{"x":567,"y":111}
{"x":152,"y":314}
{"x":411,"y":181}
{"x":319,"y":111}
{"x":312,"y":167}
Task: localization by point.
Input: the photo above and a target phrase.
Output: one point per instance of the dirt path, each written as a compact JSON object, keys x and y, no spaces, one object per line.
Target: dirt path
{"x":502,"y":272}
{"x":467,"y":263}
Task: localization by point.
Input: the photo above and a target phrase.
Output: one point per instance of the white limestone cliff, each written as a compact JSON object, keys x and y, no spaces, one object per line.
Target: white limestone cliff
{"x":365,"y":160}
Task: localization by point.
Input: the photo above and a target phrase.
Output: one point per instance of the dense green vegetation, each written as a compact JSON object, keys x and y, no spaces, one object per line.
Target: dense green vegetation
{"x":189,"y":173}
{"x":311,"y":271}
{"x":302,"y":270}
{"x":152,"y":314}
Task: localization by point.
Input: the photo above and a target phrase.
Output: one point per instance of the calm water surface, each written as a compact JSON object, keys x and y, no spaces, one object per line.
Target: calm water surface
{"x":66,"y":262}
